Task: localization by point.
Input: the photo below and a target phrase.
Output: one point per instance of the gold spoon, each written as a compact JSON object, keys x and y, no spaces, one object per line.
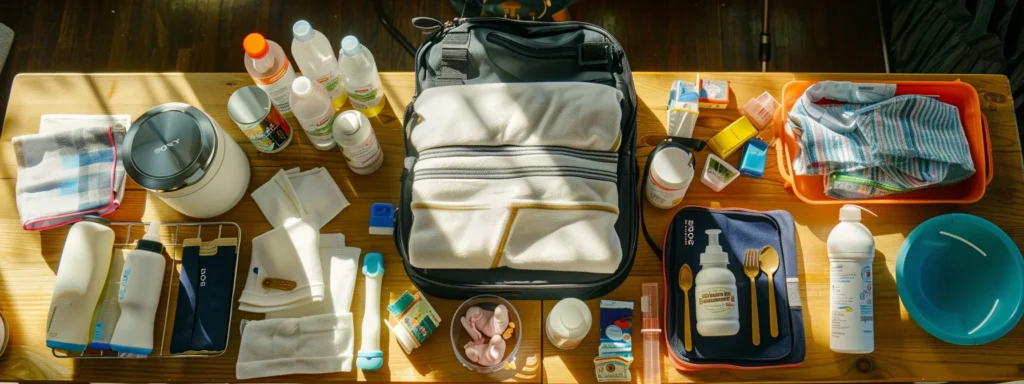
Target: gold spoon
{"x":770,"y":264}
{"x":685,"y":283}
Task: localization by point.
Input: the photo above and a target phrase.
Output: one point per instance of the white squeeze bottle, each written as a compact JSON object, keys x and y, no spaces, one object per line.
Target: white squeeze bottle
{"x":270,"y":69}
{"x":81,"y":275}
{"x":359,"y":145}
{"x":313,"y":109}
{"x":851,"y":248}
{"x":315,"y":58}
{"x":141,"y":282}
{"x":361,"y":78}
{"x":715,"y":291}
{"x":109,"y":310}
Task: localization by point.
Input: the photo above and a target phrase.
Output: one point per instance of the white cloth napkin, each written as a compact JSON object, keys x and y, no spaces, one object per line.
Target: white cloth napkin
{"x":339,"y":264}
{"x":288,"y":253}
{"x":311,"y":344}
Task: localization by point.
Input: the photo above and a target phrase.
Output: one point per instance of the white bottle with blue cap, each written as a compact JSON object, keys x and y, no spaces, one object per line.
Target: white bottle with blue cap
{"x":370,"y":357}
{"x":362,"y":81}
{"x":315,"y":58}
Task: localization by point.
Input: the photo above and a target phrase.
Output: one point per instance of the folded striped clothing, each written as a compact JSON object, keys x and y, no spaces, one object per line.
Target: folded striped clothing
{"x":68,"y":173}
{"x":873,"y":143}
{"x":519,"y":175}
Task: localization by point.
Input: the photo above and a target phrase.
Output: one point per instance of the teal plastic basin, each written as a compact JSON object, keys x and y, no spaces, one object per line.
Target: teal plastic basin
{"x":961,"y":279}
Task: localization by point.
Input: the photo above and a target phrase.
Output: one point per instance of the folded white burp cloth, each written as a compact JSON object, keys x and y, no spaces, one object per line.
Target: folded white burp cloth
{"x":311,"y":344}
{"x":285,"y":270}
{"x":318,"y":193}
{"x":566,"y":114}
{"x":339,"y":264}
{"x":278,"y":200}
{"x":535,"y":208}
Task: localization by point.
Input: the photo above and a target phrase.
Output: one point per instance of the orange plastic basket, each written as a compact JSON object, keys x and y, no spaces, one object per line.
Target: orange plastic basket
{"x":811,"y":189}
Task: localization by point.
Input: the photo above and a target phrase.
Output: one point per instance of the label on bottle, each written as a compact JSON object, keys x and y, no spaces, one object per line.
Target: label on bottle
{"x":852,"y":309}
{"x":363,"y":155}
{"x":716,"y":301}
{"x":332,"y":82}
{"x":365,"y":93}
{"x":320,"y":130}
{"x":278,"y":85}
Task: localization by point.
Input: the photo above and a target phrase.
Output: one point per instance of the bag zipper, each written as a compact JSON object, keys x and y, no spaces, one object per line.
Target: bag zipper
{"x":537,"y":53}
{"x":515,"y":173}
{"x":514,"y":150}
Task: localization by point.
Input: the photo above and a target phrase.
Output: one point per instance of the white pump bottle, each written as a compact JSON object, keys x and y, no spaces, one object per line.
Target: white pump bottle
{"x":851,"y":249}
{"x":141,"y":282}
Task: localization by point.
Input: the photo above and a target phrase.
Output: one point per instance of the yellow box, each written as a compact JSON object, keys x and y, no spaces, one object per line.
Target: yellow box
{"x":725,"y":143}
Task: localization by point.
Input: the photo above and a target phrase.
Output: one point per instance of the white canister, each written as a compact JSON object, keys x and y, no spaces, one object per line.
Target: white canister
{"x":354,"y":134}
{"x":568,"y":323}
{"x":671,"y":172}
{"x":182,"y":156}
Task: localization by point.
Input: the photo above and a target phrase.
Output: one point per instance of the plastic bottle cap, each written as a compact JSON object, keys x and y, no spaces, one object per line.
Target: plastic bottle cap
{"x":713,"y":253}
{"x":570,"y":318}
{"x":851,"y":212}
{"x":302,"y":31}
{"x":671,"y":168}
{"x":348,"y":122}
{"x":255,"y":46}
{"x":350,"y":46}
{"x":302,"y":87}
{"x":404,"y":338}
{"x":153,"y":232}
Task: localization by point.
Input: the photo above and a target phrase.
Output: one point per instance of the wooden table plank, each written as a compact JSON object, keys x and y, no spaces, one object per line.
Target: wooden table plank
{"x":903,"y":353}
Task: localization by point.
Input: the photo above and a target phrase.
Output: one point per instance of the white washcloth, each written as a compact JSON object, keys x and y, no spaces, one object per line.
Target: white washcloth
{"x":311,"y":344}
{"x":339,"y":264}
{"x":318,"y":193}
{"x":278,"y":200}
{"x":289,"y":253}
{"x":567,"y":114}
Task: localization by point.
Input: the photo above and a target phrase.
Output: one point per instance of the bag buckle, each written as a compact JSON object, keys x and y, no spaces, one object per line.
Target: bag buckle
{"x":594,"y":54}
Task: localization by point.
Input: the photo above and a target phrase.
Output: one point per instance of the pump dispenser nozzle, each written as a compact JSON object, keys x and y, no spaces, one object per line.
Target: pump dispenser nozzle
{"x":713,"y":253}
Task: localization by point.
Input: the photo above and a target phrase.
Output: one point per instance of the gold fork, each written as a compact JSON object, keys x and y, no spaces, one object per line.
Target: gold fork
{"x":752,"y":267}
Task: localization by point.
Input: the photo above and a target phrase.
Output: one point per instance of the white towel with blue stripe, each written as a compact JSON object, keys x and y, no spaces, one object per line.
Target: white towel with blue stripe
{"x":872,"y":143}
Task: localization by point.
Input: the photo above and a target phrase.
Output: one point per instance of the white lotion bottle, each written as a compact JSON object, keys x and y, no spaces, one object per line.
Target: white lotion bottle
{"x":370,"y":357}
{"x":717,"y":314}
{"x":81,"y":275}
{"x":851,"y":249}
{"x":109,"y":310}
{"x":358,"y":142}
{"x":141,"y":282}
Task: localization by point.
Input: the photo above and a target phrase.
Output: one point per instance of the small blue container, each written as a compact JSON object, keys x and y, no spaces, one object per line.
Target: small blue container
{"x":961,"y":279}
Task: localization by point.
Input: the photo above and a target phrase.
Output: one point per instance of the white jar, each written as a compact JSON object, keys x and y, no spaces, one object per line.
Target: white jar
{"x":715,"y":292}
{"x":568,"y":323}
{"x":671,"y":172}
{"x":182,"y":156}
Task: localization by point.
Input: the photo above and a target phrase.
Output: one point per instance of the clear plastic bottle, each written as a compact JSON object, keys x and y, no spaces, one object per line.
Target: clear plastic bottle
{"x":715,"y":291}
{"x":270,"y":69}
{"x":315,"y":58}
{"x":81,"y":275}
{"x":362,"y":81}
{"x":313,"y":109}
{"x":851,"y":249}
{"x":141,"y":282}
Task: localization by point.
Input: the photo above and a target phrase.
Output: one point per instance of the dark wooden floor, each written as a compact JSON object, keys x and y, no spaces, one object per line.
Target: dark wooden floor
{"x":206,"y":35}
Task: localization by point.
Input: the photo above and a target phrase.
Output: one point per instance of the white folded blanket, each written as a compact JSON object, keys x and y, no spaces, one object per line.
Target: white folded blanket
{"x":565,"y":114}
{"x":311,"y":344}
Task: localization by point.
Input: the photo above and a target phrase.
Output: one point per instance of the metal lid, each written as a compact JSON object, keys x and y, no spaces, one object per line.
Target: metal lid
{"x":169,"y":147}
{"x":96,"y":219}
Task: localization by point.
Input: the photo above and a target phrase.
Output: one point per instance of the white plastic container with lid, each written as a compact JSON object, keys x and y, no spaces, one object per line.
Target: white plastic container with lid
{"x":568,"y":323}
{"x":670,"y":176}
{"x":270,"y":69}
{"x":313,"y":109}
{"x":353,"y":132}
{"x":139,"y":296}
{"x":362,"y":81}
{"x":81,"y":275}
{"x":183,"y":157}
{"x":715,"y":291}
{"x":851,"y":249}
{"x":315,"y":59}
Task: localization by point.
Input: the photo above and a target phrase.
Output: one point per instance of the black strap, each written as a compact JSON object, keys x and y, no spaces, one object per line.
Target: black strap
{"x":454,"y":58}
{"x":685,"y":143}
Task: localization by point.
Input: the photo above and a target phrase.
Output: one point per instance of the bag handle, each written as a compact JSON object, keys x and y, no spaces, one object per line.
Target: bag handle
{"x":685,"y":143}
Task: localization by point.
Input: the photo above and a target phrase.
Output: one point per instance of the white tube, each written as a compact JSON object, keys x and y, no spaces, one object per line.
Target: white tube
{"x":370,"y":357}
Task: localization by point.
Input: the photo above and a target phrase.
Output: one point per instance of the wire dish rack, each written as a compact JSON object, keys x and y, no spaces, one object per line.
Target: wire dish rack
{"x":173,"y":236}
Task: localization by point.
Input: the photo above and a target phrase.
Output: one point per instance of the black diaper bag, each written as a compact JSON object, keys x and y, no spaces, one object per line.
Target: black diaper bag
{"x":498,"y":50}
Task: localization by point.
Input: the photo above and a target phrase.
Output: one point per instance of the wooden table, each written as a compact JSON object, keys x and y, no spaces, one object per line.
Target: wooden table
{"x":904,"y":352}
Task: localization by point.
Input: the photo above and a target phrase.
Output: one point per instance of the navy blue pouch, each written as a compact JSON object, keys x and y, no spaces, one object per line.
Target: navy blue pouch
{"x":185,"y":309}
{"x":205,"y":293}
{"x":685,"y":240}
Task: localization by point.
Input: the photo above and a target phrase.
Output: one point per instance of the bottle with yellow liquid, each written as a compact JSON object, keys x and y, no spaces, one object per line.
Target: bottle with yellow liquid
{"x":362,"y":81}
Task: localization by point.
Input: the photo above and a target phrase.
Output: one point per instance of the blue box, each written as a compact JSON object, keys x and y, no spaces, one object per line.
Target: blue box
{"x":755,"y":152}
{"x":382,"y":219}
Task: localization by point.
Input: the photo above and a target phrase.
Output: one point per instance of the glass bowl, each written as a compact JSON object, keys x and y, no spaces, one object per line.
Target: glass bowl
{"x":460,"y":337}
